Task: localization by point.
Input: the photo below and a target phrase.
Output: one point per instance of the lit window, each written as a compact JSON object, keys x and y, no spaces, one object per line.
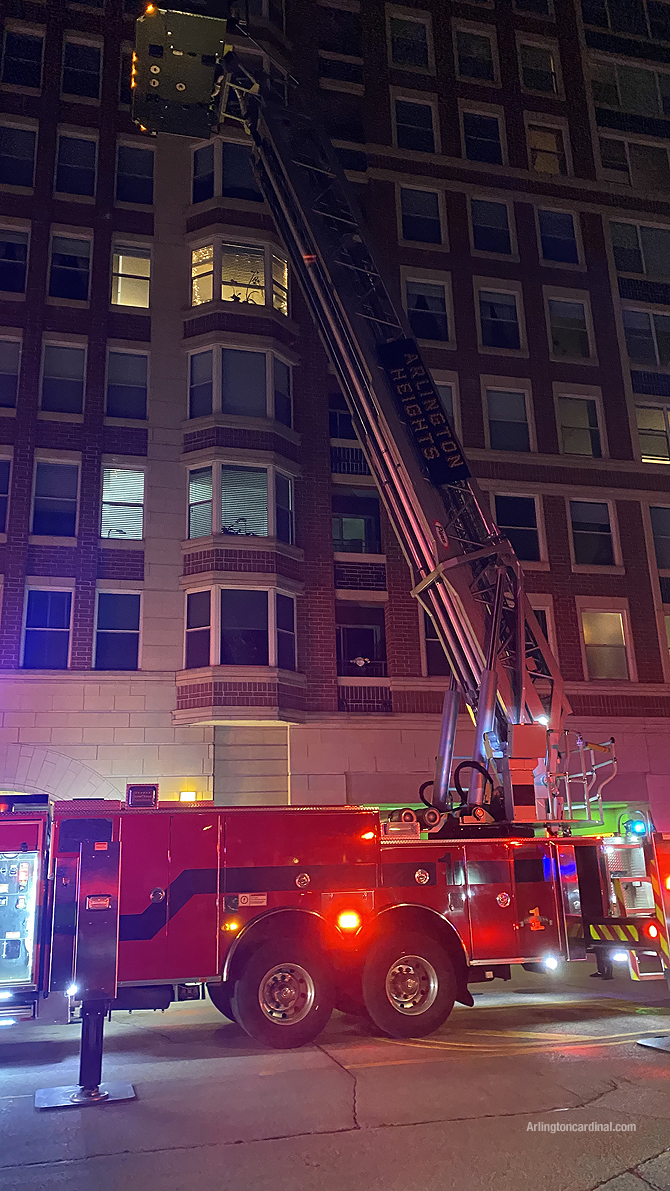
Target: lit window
{"x":243,"y":274}
{"x":126,"y":385}
{"x":10,"y":356}
{"x":75,"y":165}
{"x":660,"y":524}
{"x":356,"y":524}
{"x":482,"y":138}
{"x":427,"y":311}
{"x":198,"y":626}
{"x":200,"y":385}
{"x":475,"y":55}
{"x":63,"y":379}
{"x":578,"y":424}
{"x":538,"y":71}
{"x":420,"y":211}
{"x":244,"y":628}
{"x":490,"y":227}
{"x":200,"y":503}
{"x":508,"y":422}
{"x":591,"y":533}
{"x":569,"y":332}
{"x":545,"y":150}
{"x":516,"y":517}
{"x":122,"y":503}
{"x":17,"y":155}
{"x":244,"y":501}
{"x":81,"y":69}
{"x":557,"y":237}
{"x":605,"y":645}
{"x":499,"y":320}
{"x":47,"y":639}
{"x":202,"y":275}
{"x":55,"y":504}
{"x":22,"y":60}
{"x":653,"y":433}
{"x":131,"y":276}
{"x":280,"y":284}
{"x":70,"y":268}
{"x":409,"y":42}
{"x":414,"y":126}
{"x":117,"y":637}
{"x":135,"y":175}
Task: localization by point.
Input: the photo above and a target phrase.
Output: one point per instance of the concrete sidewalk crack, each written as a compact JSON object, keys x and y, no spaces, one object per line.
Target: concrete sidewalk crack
{"x":352,"y":1076}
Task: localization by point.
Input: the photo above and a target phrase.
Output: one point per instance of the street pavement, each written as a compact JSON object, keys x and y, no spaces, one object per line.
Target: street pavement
{"x":492,"y":1101}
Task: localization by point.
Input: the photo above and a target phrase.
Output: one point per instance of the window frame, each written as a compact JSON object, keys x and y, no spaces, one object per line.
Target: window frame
{"x":111,"y":466}
{"x":513,"y":254}
{"x":112,"y":590}
{"x":19,"y":227}
{"x":638,"y":224}
{"x":554,"y":124}
{"x":541,"y":563}
{"x":587,"y":568}
{"x":128,"y":243}
{"x":489,"y":111}
{"x":271,"y":469}
{"x":7,"y":120}
{"x":123,"y":141}
{"x":607,"y":604}
{"x":121,"y":349}
{"x":426,"y":245}
{"x":86,"y":234}
{"x":651,"y":311}
{"x":42,"y":456}
{"x":540,"y":43}
{"x":509,"y":384}
{"x":481,"y":30}
{"x":664,"y":407}
{"x":81,"y":39}
{"x":45,"y":585}
{"x":616,"y":63}
{"x":582,"y":393}
{"x":50,"y":340}
{"x":246,"y":240}
{"x":428,"y":99}
{"x":613,"y":134}
{"x":422,"y":276}
{"x":501,"y":285}
{"x":559,"y":294}
{"x":420,"y":17}
{"x":23,"y":29}
{"x":218,"y":145}
{"x":270,"y":353}
{"x":580,"y":264}
{"x":77,"y":135}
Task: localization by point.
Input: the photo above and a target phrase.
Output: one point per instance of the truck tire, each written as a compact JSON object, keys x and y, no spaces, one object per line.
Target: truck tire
{"x":219,"y":995}
{"x":409,"y":986}
{"x":285,"y":993}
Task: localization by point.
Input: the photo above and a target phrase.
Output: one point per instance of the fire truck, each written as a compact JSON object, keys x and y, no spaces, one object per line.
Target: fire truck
{"x":283,"y":913}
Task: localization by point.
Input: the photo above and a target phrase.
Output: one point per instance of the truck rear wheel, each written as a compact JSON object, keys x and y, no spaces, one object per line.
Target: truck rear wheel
{"x":409,"y":986}
{"x":285,"y":993}
{"x":219,"y":995}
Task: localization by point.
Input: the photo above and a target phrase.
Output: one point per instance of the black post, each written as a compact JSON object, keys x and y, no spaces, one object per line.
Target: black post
{"x":90,"y":1055}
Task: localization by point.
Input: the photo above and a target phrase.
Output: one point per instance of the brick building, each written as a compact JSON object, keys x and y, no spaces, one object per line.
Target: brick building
{"x":199,"y":587}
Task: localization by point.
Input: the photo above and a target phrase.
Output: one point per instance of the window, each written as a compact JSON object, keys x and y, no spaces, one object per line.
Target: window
{"x":200,"y":502}
{"x":282,"y":392}
{"x":81,"y":69}
{"x":126,"y":385}
{"x":63,"y":374}
{"x":446,"y":394}
{"x":285,"y":613}
{"x":652,"y":430}
{"x":578,"y":427}
{"x":409,"y":43}
{"x":75,"y":166}
{"x":244,"y":501}
{"x":70,"y":263}
{"x":482,"y":138}
{"x":490,"y":227}
{"x":640,"y":249}
{"x":340,"y":31}
{"x":360,"y":639}
{"x":427,"y":311}
{"x":117,"y":638}
{"x":237,"y":176}
{"x":557,"y":237}
{"x":131,"y":276}
{"x":269,"y":10}
{"x":200,"y":385}
{"x":4,"y":492}
{"x":203,"y":173}
{"x":546,"y":151}
{"x":10,"y":355}
{"x":244,"y":628}
{"x":243,"y":383}
{"x":414,"y":126}
{"x":122,"y":504}
{"x":244,"y":269}
{"x":17,"y":155}
{"x":339,"y":419}
{"x":591,"y":533}
{"x":647,"y":337}
{"x":13,"y":261}
{"x":356,"y":526}
{"x":243,"y":274}
{"x":135,"y":175}
{"x":202,"y":275}
{"x":569,"y":331}
{"x":630,"y":89}
{"x":22,"y":59}
{"x":499,"y":320}
{"x":343,"y":114}
{"x":420,"y":216}
{"x":629,"y":16}
{"x":604,"y":645}
{"x":508,"y":423}
{"x":198,"y":627}
{"x":47,"y":639}
{"x":516,"y":517}
{"x":538,"y":70}
{"x":436,"y":658}
{"x":475,"y":55}
{"x":283,"y":509}
{"x":645,"y":167}
{"x":55,"y":504}
{"x":660,"y":524}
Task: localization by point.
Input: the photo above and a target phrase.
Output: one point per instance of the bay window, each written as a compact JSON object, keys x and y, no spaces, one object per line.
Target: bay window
{"x":231,"y":626}
{"x":250,"y":275}
{"x":247,"y":502}
{"x":240,"y":382}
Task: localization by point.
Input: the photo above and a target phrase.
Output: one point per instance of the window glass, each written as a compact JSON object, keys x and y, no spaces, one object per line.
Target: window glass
{"x":537,"y":68}
{"x":200,"y":503}
{"x":117,"y":637}
{"x":446,"y":394}
{"x":70,"y":263}
{"x":569,"y":333}
{"x":280,"y":284}
{"x":135,"y":175}
{"x":22,"y":60}
{"x":4,"y":492}
{"x":243,"y":383}
{"x":475,"y":55}
{"x":244,"y":501}
{"x":545,"y":150}
{"x":356,"y":524}
{"x":202,"y":275}
{"x":508,"y":425}
{"x":63,"y":379}
{"x":244,"y":628}
{"x":75,"y":165}
{"x":649,"y":166}
{"x":284,"y":508}
{"x":203,"y":173}
{"x":426,"y":308}
{"x":198,"y":616}
{"x":285,"y":609}
{"x":17,"y":155}
{"x":557,"y":237}
{"x":10,"y":356}
{"x":282,"y":391}
{"x":436,"y":658}
{"x":409,"y":42}
{"x":13,"y":260}
{"x":605,"y":645}
{"x":660,"y":524}
{"x":131,"y":275}
{"x":339,"y":419}
{"x":126,"y":385}
{"x":482,"y":138}
{"x":122,"y":503}
{"x":340,"y":31}
{"x":420,"y":216}
{"x":490,"y":226}
{"x":591,"y":533}
{"x":242,"y":274}
{"x":516,"y":517}
{"x":81,"y":69}
{"x":47,"y":639}
{"x":499,"y":320}
{"x":578,"y":423}
{"x":360,"y":639}
{"x":238,"y":178}
{"x":652,"y":428}
{"x":200,"y":384}
{"x":55,"y":504}
{"x":414,"y":126}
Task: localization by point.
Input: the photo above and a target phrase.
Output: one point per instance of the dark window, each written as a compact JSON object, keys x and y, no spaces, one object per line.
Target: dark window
{"x":426,"y":308}
{"x":339,"y":418}
{"x":81,"y":69}
{"x":516,"y":517}
{"x":500,"y":323}
{"x":540,"y":615}
{"x":200,"y":502}
{"x":557,"y":236}
{"x":533,"y":869}
{"x":508,"y":423}
{"x":243,"y":383}
{"x":238,"y":179}
{"x":344,"y":72}
{"x":55,"y":506}
{"x":490,"y":226}
{"x":73,"y":832}
{"x":569,"y":333}
{"x":244,"y":628}
{"x":135,"y":175}
{"x":420,"y":216}
{"x":117,"y":638}
{"x":591,"y":533}
{"x":70,"y":263}
{"x":578,"y":423}
{"x":537,"y":68}
{"x":641,"y":249}
{"x":10,"y":355}
{"x":659,"y":20}
{"x":409,"y":42}
{"x":126,"y":385}
{"x":13,"y":260}
{"x":200,"y":385}
{"x":17,"y":155}
{"x":475,"y":55}
{"x":4,"y":493}
{"x":244,"y":501}
{"x":282,"y":390}
{"x":203,"y":173}
{"x":22,"y":60}
{"x":63,"y":379}
{"x":488,"y":872}
{"x":47,"y":639}
{"x":660,"y":524}
{"x":198,"y":617}
{"x":356,"y":526}
{"x":361,"y":642}
{"x":344,"y":116}
{"x":340,"y":32}
{"x":284,"y":508}
{"x":436,"y":658}
{"x":627,"y":248}
{"x":75,"y":167}
{"x":482,"y":138}
{"x":285,"y":632}
{"x":125,"y":90}
{"x":414,"y":125}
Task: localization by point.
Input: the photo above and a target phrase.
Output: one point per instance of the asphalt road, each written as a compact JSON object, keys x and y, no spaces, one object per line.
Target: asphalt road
{"x":356,"y":1112}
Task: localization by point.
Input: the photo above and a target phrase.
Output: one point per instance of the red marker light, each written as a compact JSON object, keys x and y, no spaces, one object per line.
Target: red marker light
{"x":368,"y":835}
{"x":348,"y":920}
{"x":651,"y":930}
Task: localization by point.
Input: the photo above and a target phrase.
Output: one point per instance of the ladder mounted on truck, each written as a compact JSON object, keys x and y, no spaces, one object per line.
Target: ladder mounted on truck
{"x":465,"y":573}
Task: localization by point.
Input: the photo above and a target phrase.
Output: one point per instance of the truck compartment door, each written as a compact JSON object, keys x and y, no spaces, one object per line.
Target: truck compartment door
{"x":145,"y":838}
{"x":193,"y":895}
{"x":537,"y":910}
{"x":491,"y":901}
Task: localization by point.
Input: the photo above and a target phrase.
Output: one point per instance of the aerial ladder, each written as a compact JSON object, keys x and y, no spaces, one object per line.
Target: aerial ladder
{"x":189,"y":78}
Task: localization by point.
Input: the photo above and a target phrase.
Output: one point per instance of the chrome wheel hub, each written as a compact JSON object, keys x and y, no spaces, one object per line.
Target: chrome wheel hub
{"x":286,"y":994}
{"x":411,"y":984}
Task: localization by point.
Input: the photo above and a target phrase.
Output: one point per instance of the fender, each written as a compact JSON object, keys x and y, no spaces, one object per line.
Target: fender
{"x":317,"y":921}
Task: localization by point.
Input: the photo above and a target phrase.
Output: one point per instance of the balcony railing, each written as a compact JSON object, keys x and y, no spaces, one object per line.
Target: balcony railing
{"x":356,"y":546}
{"x":361,"y":668}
